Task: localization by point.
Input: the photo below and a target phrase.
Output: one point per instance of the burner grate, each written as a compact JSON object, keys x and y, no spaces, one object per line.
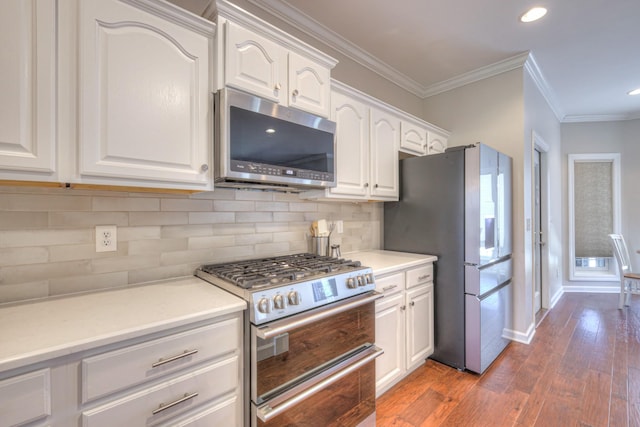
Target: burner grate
{"x":257,"y":273}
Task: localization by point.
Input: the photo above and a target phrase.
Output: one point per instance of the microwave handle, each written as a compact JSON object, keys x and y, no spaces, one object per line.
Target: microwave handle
{"x":266,"y":412}
{"x":280,"y":327}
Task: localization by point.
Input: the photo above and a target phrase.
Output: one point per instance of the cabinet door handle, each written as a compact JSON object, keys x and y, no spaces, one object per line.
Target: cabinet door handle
{"x":204,"y":167}
{"x":425,"y":277}
{"x":184,"y":398}
{"x":295,"y":92}
{"x":366,"y":184}
{"x":375,"y":186}
{"x":404,"y":307}
{"x":412,"y":303}
{"x":278,"y":86}
{"x":172,"y":358}
{"x":388,"y":288}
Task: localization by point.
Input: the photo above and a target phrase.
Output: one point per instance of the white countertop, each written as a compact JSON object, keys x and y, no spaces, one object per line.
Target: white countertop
{"x":383,"y":262}
{"x":37,"y":331}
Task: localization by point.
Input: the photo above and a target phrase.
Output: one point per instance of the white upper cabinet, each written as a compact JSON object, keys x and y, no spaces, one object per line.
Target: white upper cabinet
{"x":255,"y":64}
{"x":352,"y":145}
{"x":28,"y":86}
{"x":436,"y":142}
{"x":263,"y":60}
{"x":385,"y":138}
{"x":413,"y":138}
{"x":144,"y":96}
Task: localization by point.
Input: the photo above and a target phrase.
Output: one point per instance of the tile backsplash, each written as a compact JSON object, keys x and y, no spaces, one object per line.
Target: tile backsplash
{"x":47,"y":236}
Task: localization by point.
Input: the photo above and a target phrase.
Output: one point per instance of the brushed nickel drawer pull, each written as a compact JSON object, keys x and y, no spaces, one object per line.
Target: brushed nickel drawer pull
{"x":388,"y":288}
{"x":426,"y":276}
{"x":172,"y":358}
{"x":184,"y":398}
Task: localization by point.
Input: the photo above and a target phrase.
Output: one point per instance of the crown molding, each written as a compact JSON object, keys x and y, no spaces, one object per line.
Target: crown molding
{"x":478,"y":74}
{"x":600,"y":118}
{"x":531,"y":67}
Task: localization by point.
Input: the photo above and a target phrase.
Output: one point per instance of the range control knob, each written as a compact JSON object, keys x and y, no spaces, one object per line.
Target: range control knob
{"x":263,"y":305}
{"x":351,"y":283}
{"x":278,"y":302}
{"x":293,"y":297}
{"x":369,"y":278}
{"x":361,"y":281}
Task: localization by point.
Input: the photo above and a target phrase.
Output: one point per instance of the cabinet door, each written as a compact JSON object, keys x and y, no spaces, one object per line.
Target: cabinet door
{"x":413,"y":138}
{"x":255,"y":64}
{"x":436,"y":143}
{"x":419,"y":324}
{"x":28,"y":102}
{"x":144,"y":97}
{"x":390,"y":333}
{"x":309,"y":85}
{"x":385,"y":136}
{"x":352,"y":145}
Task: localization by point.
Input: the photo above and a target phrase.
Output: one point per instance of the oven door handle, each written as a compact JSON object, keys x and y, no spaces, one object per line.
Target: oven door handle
{"x":266,"y":412}
{"x":280,"y":327}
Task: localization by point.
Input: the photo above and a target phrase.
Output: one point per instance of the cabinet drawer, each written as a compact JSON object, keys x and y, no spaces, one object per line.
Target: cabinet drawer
{"x":116,"y":370}
{"x":25,"y":398}
{"x":158,"y":404}
{"x":226,"y":413}
{"x":419,"y":276}
{"x":390,"y":284}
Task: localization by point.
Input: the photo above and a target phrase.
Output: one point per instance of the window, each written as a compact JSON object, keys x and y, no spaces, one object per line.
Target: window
{"x":594,"y":213}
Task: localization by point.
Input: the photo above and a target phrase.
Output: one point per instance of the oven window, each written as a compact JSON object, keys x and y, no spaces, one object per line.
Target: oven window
{"x":263,"y":139}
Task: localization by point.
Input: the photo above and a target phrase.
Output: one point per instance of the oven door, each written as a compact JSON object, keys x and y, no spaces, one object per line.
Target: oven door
{"x":318,"y":365}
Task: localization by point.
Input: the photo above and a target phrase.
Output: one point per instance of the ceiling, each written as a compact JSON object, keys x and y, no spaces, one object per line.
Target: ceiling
{"x":584,"y":53}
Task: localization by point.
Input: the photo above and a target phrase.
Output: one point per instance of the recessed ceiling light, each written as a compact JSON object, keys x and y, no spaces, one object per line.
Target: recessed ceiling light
{"x":634,"y":92}
{"x":270,"y":130}
{"x":533,"y":14}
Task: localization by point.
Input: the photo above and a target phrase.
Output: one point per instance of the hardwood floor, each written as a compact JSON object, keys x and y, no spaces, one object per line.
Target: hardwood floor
{"x":582,"y":368}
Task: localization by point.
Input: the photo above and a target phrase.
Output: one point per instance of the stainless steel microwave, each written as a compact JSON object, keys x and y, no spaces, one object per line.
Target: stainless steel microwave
{"x":262,"y":144}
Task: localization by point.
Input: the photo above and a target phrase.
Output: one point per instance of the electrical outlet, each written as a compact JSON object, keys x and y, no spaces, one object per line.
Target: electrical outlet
{"x":339,"y":227}
{"x":106,"y":238}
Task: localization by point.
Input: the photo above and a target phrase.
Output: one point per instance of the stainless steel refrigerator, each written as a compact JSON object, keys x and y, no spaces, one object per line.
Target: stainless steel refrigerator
{"x":457,"y":205}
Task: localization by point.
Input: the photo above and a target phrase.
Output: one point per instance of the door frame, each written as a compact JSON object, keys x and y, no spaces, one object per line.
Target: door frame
{"x":540,"y":145}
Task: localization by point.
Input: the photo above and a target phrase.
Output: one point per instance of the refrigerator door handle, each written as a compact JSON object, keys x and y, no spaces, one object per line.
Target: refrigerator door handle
{"x":494,"y":290}
{"x":493,"y":262}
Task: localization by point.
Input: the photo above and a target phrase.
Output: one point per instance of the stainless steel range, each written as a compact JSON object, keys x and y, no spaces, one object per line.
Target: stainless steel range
{"x":309,"y":338}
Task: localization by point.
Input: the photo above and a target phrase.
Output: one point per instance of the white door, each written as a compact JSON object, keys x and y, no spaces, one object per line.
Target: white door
{"x":537,"y":233}
{"x":255,"y":64}
{"x":28,"y":102}
{"x":419,"y":324}
{"x":352,"y":145}
{"x":309,"y":85}
{"x":390,"y":333}
{"x":144,"y":97}
{"x":385,"y":139}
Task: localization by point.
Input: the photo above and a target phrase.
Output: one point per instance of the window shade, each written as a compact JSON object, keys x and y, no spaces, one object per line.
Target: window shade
{"x":593,"y":192}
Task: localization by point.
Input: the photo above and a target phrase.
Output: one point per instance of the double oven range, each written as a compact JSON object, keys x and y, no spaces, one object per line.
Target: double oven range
{"x":309,"y":336}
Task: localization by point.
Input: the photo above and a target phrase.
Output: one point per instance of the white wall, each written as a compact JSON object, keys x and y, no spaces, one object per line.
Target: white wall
{"x":539,"y":118}
{"x":607,"y":137}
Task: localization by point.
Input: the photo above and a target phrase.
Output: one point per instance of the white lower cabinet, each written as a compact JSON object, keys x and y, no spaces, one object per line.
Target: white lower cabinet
{"x":191,"y":376}
{"x":404,"y":323}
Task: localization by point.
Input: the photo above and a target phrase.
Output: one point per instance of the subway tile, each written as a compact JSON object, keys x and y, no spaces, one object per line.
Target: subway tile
{"x":157,"y":246}
{"x":288,"y":216}
{"x":211,"y":217}
{"x":126,"y":234}
{"x":23,"y":256}
{"x":233,"y":206}
{"x":272,"y":227}
{"x":178,"y":231}
{"x":25,"y":238}
{"x":299,"y":247}
{"x":185,"y":205}
{"x":10,"y":220}
{"x":303,"y":207}
{"x":35,"y":272}
{"x":252,"y":239}
{"x":61,"y":253}
{"x":286,"y":197}
{"x":254,"y":217}
{"x":232,"y":254}
{"x":226,"y":229}
{"x":270,"y":249}
{"x":264,"y":196}
{"x":272,"y":207}
{"x":24,"y":291}
{"x":87,"y":219}
{"x":43,"y":203}
{"x":208,"y":242}
{"x":217,"y":194}
{"x":158,"y":218}
{"x":84,"y":283}
{"x":160,"y":273}
{"x":290,"y":236}
{"x":125,"y":204}
{"x":198,"y":257}
{"x":110,"y":264}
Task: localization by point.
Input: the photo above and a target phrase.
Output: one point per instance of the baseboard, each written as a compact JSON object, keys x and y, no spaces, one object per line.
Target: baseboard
{"x":592,"y":289}
{"x":524,"y":338}
{"x":555,"y":298}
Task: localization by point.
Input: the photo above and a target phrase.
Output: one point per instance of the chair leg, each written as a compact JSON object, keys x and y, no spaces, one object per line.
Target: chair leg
{"x":622,"y":295}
